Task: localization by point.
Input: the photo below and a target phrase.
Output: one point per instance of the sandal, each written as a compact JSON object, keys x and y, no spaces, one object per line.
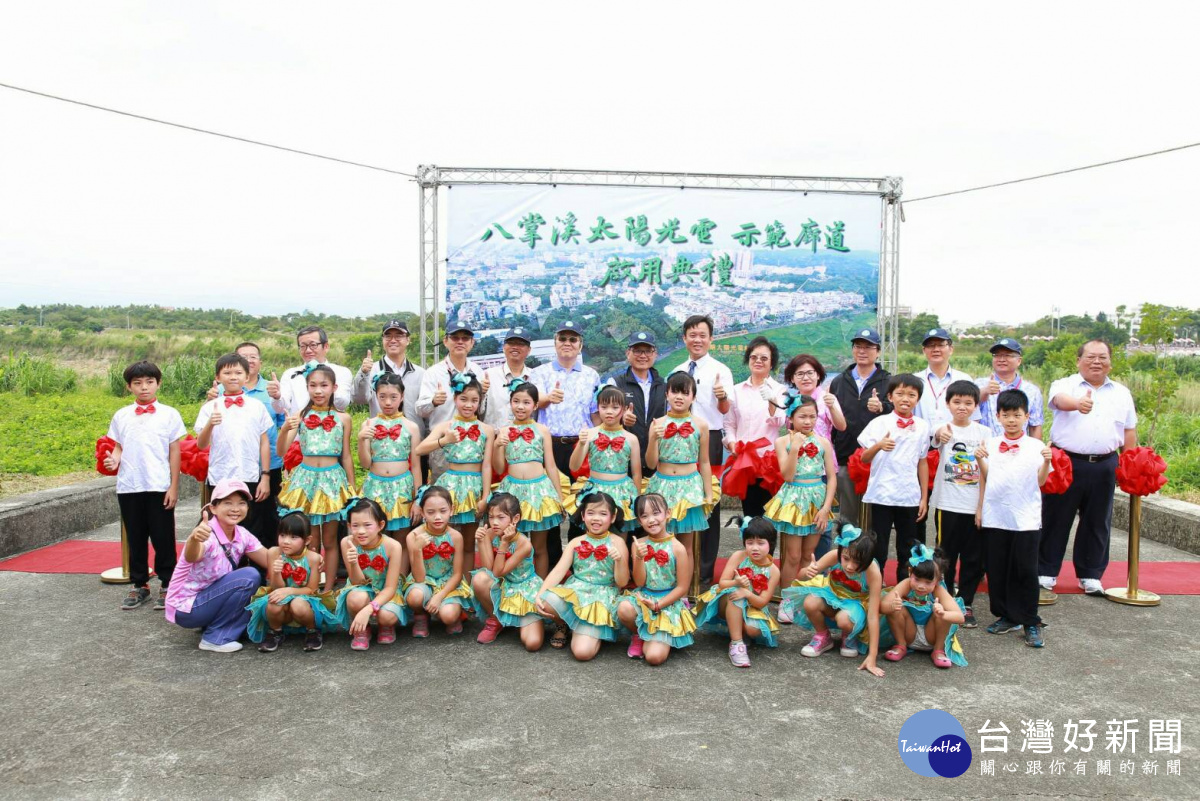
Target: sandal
{"x":896,"y":653}
{"x":940,"y":659}
{"x":559,"y":640}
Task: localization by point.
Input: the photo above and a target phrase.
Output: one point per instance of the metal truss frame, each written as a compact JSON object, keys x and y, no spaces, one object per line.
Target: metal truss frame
{"x":430,"y":178}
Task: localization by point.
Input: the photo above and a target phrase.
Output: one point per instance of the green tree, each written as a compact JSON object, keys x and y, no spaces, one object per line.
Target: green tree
{"x":1158,"y":330}
{"x":918,"y":327}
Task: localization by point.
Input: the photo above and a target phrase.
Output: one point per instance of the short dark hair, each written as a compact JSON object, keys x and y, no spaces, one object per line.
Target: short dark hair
{"x":313,"y":329}
{"x":609,"y":396}
{"x":758,"y":528}
{"x":861,"y":550}
{"x":504,"y":501}
{"x":698,"y":319}
{"x":595,"y":496}
{"x":1011,"y":400}
{"x":906,"y":380}
{"x":651,"y":499}
{"x":681,"y":382}
{"x":434,"y":491}
{"x":963,"y":389}
{"x":230,"y":360}
{"x":390,"y":380}
{"x":761,"y":342}
{"x":799,"y":361}
{"x":528,"y":387}
{"x":1108,"y":347}
{"x":369,"y":506}
{"x":241,"y":345}
{"x":295,"y":524}
{"x":142,"y":369}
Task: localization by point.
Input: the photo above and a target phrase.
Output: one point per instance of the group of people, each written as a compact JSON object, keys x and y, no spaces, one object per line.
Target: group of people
{"x":465,"y":465}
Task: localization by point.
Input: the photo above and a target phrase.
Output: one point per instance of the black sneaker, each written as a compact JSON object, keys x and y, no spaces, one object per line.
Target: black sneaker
{"x":969,"y":619}
{"x":136,"y":597}
{"x":1003,"y":626}
{"x":1033,"y":636}
{"x":271,"y":641}
{"x":313,"y":641}
{"x":161,"y":602}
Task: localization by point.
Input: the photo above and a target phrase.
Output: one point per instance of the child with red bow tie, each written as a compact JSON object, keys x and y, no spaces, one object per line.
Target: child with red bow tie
{"x":322,"y":484}
{"x":523,"y":453}
{"x":467,"y":444}
{"x":614,"y":460}
{"x":437,"y":559}
{"x":738,"y":602}
{"x":599,"y":565}
{"x":289,"y":604}
{"x":374,"y":565}
{"x":385,"y":452}
{"x":655,"y":613}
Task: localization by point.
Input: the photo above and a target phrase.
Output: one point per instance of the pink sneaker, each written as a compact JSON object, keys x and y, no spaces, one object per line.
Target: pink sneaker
{"x":386,"y":635}
{"x":421,"y":626}
{"x":819,"y":644}
{"x":635,"y":647}
{"x":491,"y":630}
{"x":456,"y":628}
{"x":940,"y":659}
{"x":738,"y":655}
{"x":361,"y":641}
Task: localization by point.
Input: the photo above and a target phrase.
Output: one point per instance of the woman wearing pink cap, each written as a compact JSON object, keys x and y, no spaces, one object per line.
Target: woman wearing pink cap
{"x":208,"y":591}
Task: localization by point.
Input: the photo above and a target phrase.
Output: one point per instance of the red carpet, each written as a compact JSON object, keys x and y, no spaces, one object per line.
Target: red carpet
{"x":1164,"y":578}
{"x":72,"y":556}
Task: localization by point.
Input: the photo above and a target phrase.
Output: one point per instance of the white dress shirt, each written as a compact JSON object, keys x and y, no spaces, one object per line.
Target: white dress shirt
{"x":1012,"y":498}
{"x":932,"y":407}
{"x":706,"y":372}
{"x":894,"y":479}
{"x":234,"y":446}
{"x":145,"y":441}
{"x":293,"y":389}
{"x":1100,"y":431}
{"x":499,"y":410}
{"x":439,"y":375}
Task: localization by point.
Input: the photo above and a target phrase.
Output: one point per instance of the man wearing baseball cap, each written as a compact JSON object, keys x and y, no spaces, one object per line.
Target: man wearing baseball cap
{"x":497,"y":379}
{"x":1006,"y":360}
{"x":938,"y":347}
{"x":645,"y":391}
{"x":861,"y":390}
{"x":435,"y":403}
{"x":395,"y":360}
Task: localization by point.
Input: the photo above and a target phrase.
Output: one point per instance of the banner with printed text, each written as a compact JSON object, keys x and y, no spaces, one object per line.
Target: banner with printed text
{"x":801,"y":269}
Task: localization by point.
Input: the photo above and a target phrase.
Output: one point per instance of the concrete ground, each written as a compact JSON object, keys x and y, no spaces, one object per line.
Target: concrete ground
{"x":100,"y":703}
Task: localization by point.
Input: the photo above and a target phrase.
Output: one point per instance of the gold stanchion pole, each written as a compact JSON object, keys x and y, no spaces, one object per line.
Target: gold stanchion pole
{"x":119,"y":575}
{"x":1132,"y":595}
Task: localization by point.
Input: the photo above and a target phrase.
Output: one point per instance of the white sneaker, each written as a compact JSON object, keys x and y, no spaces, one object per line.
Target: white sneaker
{"x":785,"y":614}
{"x":1048,"y":582}
{"x":227,"y":648}
{"x":849,"y":648}
{"x":1091,"y":586}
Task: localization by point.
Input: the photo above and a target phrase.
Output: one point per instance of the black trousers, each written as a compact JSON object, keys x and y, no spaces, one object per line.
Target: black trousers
{"x":710,"y":540}
{"x":147,"y":522}
{"x":1012,"y":559}
{"x":755,"y":501}
{"x":1091,"y":497}
{"x":263,"y":518}
{"x":963,"y":546}
{"x":904,"y":519}
{"x":562,"y":449}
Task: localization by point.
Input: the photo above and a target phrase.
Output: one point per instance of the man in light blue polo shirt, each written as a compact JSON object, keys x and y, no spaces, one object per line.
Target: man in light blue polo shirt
{"x":1006,"y":359}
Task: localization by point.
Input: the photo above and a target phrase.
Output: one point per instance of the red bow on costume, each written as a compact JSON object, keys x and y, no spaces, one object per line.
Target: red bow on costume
{"x":394,"y":432}
{"x":378,"y":564}
{"x":444,"y":550}
{"x":585,"y":549}
{"x":603,"y":443}
{"x":810,"y":450}
{"x":903,"y":423}
{"x":313,"y":421}
{"x":684,"y":430}
{"x":839,"y":575}
{"x":525,"y":434}
{"x":757,"y":580}
{"x":471,"y":433}
{"x":289,"y":571}
{"x":147,"y":409}
{"x":660,"y":556}
{"x":237,"y":400}
{"x":1005,"y":447}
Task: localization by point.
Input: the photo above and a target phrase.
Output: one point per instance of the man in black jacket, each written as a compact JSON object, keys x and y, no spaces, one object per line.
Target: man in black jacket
{"x":645,"y":392}
{"x":862,"y":392}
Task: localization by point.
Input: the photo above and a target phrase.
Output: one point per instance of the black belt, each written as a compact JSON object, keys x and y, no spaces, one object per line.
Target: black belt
{"x":1089,"y":457}
{"x":564,"y":440}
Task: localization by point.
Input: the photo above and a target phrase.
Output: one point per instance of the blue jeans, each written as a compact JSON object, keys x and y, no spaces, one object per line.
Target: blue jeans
{"x":220,"y":608}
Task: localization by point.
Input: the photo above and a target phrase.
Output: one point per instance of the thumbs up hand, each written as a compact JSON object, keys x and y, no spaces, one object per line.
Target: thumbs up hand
{"x":292,"y":422}
{"x":887,"y":443}
{"x":639,"y":550}
{"x":556,"y":395}
{"x":273,"y":387}
{"x":718,"y":390}
{"x":629,"y":418}
{"x":212,"y":391}
{"x":439,"y":397}
{"x":943,"y":434}
{"x":810,"y":570}
{"x":486,"y":383}
{"x":367,"y":363}
{"x":1086,"y":403}
{"x":214,"y":419}
{"x":993,"y":386}
{"x":874,"y":405}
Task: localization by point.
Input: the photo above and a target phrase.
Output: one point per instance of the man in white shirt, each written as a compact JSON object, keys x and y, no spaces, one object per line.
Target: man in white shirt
{"x":395,"y":360}
{"x":435,"y":403}
{"x":1094,"y":418}
{"x":291,"y":394}
{"x":714,"y":381}
{"x":496,"y":379}
{"x":937,"y":376}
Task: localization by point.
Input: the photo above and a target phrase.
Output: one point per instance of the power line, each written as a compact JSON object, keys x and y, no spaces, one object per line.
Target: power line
{"x":1052,"y":174}
{"x":206,"y":131}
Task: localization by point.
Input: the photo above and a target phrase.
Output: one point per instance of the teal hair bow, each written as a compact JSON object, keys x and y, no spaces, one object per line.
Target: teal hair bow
{"x":795,"y":401}
{"x":849,"y":535}
{"x":744,"y":524}
{"x":375,"y":381}
{"x":310,"y":365}
{"x":515,"y":384}
{"x":420,"y":497}
{"x":920,"y":553}
{"x":459,"y":381}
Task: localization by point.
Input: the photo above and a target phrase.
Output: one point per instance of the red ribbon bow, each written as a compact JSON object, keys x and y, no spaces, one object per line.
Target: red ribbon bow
{"x":471,"y":433}
{"x":660,"y":556}
{"x":839,"y":575}
{"x":810,"y":450}
{"x":237,"y":400}
{"x":684,"y":430}
{"x":444,"y":550}
{"x":585,"y":549}
{"x":382,"y":432}
{"x":313,"y":421}
{"x":364,"y":561}
{"x":147,"y":409}
{"x":757,"y":580}
{"x":525,"y":434}
{"x":604,"y":442}
{"x":290,"y":571}
{"x":1140,"y":471}
{"x":1005,"y":447}
{"x":903,"y":423}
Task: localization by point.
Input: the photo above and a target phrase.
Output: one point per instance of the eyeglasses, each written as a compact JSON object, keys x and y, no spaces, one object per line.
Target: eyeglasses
{"x":304,"y":346}
{"x":387,"y":337}
{"x":569,"y":340}
{"x":1101,"y":359}
{"x":760,"y":358}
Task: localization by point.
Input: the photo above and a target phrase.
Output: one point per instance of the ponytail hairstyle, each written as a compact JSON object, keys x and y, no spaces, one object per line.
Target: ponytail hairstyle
{"x":757,"y":528}
{"x":461,"y":382}
{"x":357,"y":505}
{"x":309,"y":369}
{"x":591,"y":496}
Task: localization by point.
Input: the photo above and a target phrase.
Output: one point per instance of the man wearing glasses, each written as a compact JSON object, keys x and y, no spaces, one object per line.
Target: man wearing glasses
{"x":1006,"y":360}
{"x":436,"y":402}
{"x":292,"y":393}
{"x":938,"y":375}
{"x":1094,"y":418}
{"x":395,"y":360}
